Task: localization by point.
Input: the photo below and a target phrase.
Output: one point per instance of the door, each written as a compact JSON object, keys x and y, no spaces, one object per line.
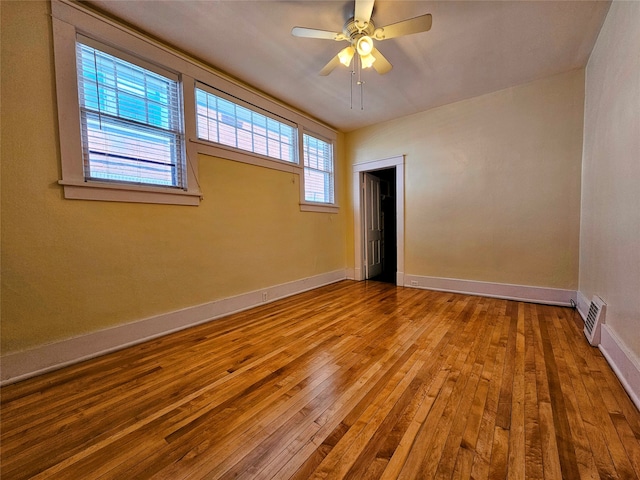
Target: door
{"x":373,"y":227}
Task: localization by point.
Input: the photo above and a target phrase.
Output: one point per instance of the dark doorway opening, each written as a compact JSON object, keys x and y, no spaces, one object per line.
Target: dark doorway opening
{"x":388,"y":225}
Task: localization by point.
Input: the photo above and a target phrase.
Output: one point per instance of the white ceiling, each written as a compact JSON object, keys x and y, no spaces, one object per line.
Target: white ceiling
{"x":473,"y":48}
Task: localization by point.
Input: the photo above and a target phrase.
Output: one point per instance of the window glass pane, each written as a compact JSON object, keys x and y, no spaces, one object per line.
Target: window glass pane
{"x":131,"y":121}
{"x":318,"y":170}
{"x":128,"y":153}
{"x":240,"y":127}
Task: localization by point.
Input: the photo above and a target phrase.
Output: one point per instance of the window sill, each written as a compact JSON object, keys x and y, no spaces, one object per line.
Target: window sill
{"x":319,"y":207}
{"x":108,"y":192}
{"x":230,"y":153}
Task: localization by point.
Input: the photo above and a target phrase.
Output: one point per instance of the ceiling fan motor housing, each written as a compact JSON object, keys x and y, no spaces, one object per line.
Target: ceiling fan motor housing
{"x":353,"y":32}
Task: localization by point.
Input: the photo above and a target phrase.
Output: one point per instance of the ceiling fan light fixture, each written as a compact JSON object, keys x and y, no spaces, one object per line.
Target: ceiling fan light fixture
{"x":367,"y":60}
{"x":364,"y":45}
{"x":346,"y":55}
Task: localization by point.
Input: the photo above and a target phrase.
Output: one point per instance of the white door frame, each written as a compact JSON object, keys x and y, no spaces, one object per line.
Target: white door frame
{"x":358,"y":169}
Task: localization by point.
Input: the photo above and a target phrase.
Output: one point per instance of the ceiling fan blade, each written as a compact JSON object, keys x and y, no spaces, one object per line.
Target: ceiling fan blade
{"x":381,"y":65}
{"x":363,"y":11}
{"x":329,"y":67}
{"x":315,"y":33}
{"x":406,"y":27}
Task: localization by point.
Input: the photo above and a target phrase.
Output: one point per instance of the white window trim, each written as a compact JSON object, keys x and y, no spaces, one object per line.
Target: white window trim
{"x":305,"y":205}
{"x":70,"y":19}
{"x":319,"y":207}
{"x":68,"y":24}
{"x":280,"y":164}
{"x":229,"y":153}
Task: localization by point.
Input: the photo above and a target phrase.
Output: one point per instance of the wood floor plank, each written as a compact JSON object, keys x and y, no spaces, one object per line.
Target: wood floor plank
{"x":548,"y":444}
{"x":578,"y":455}
{"x":517,"y":463}
{"x":354,"y":380}
{"x":455,"y":439}
{"x":533,"y":465}
{"x":482,"y":460}
{"x":570,"y":449}
{"x":435,"y":430}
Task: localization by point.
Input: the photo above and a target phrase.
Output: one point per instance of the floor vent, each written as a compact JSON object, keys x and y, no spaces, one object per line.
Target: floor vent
{"x":595,"y":317}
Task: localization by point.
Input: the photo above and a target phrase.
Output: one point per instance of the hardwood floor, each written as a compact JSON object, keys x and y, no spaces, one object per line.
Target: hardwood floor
{"x":357,"y":380}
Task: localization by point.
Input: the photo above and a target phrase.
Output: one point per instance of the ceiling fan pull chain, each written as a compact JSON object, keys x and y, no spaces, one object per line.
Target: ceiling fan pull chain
{"x":353,"y":74}
{"x":360,"y":82}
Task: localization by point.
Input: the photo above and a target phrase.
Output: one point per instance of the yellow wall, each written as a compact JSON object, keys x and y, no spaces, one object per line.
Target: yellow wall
{"x":71,"y":267}
{"x":610,"y":231}
{"x":492,"y":184}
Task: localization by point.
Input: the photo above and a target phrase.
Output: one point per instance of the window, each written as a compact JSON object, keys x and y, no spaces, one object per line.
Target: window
{"x":121,"y":114}
{"x":130,"y":118}
{"x":318,"y":170}
{"x":229,"y":123}
{"x":135,"y":118}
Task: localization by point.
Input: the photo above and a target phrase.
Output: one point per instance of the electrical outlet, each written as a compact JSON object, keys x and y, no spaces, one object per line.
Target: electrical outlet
{"x":414,"y":283}
{"x":264,"y":296}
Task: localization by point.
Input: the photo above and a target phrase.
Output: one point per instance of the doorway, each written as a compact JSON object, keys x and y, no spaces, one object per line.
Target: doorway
{"x":380,"y":225}
{"x":390,"y":175}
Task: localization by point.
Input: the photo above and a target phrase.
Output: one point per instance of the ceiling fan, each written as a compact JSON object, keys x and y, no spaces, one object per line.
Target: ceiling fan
{"x":360,"y":32}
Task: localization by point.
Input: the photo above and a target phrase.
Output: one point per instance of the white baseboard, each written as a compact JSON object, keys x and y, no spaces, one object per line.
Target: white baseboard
{"x":21,"y":365}
{"x":623,"y":362}
{"x":523,"y":293}
{"x":358,"y":274}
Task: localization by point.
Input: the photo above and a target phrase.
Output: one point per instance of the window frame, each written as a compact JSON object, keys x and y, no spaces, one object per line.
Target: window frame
{"x":69,"y":24}
{"x":309,"y":204}
{"x":173,"y":130}
{"x":255,"y":109}
{"x":70,"y":19}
